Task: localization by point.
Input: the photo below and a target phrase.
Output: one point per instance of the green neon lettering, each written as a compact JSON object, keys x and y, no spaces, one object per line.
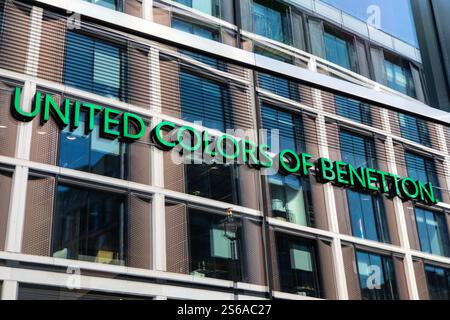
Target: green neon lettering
{"x":92,"y":110}
{"x":340,"y":173}
{"x":130,"y":118}
{"x":357,"y":178}
{"x":306,"y":164}
{"x":249,"y":153}
{"x":51,"y":107}
{"x":18,"y":112}
{"x":293,"y":163}
{"x":158,"y":138}
{"x":325,"y":172}
{"x":427,"y":193}
{"x":406,"y":184}
{"x":266,"y":160}
{"x":220,"y":142}
{"x":197,"y":138}
{"x":371,"y":179}
{"x":109,"y":122}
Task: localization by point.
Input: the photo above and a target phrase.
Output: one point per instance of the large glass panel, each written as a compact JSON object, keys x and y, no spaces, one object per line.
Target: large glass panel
{"x":297,"y":266}
{"x":393,"y":17}
{"x":111,"y":4}
{"x":353,"y":109}
{"x":438,"y":280}
{"x":203,"y":100}
{"x":414,"y":129}
{"x":214,"y":181}
{"x":211,"y":7}
{"x":93,"y":65}
{"x":270,"y":20}
{"x":433,"y":233}
{"x":422,"y":169}
{"x":337,"y":50}
{"x":195,"y":29}
{"x":366,"y":211}
{"x":89,"y":225}
{"x":91,"y":153}
{"x":376,"y":276}
{"x":399,"y":77}
{"x":214,"y":253}
{"x":288,"y":193}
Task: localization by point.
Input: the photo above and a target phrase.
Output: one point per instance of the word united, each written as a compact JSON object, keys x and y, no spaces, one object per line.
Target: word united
{"x":129,"y":127}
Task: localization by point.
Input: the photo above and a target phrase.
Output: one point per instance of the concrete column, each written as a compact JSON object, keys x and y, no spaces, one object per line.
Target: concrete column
{"x":9,"y":290}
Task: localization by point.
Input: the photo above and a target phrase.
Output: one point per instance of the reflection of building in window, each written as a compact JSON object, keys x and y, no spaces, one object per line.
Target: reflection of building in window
{"x":211,"y":7}
{"x":433,"y":232}
{"x":422,"y":169}
{"x":211,"y":252}
{"x":297,"y":266}
{"x":89,"y":225}
{"x":376,"y":276}
{"x":438,"y":281}
{"x":366,"y":211}
{"x":270,"y":20}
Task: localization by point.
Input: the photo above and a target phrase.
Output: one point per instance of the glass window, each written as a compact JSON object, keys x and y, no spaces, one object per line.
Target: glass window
{"x":111,"y":4}
{"x":422,"y":169}
{"x":211,"y":7}
{"x":376,"y":276}
{"x":433,"y":233}
{"x":213,"y":181}
{"x":93,"y":65}
{"x":438,"y":280}
{"x":91,"y":153}
{"x":366,"y":211}
{"x":399,"y":77}
{"x":289,"y":194}
{"x":297,"y":266}
{"x":195,"y":29}
{"x":270,"y":19}
{"x":277,"y":85}
{"x":414,"y":129}
{"x":89,"y":225}
{"x":395,"y":17}
{"x":203,"y":100}
{"x":352,"y":109}
{"x":214,"y":253}
{"x":337,"y":50}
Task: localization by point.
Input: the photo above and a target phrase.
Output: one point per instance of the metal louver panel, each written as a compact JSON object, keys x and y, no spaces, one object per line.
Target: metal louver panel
{"x":177,"y":238}
{"x":38,"y":216}
{"x":5,"y":187}
{"x":8,"y":125}
{"x":139,"y":232}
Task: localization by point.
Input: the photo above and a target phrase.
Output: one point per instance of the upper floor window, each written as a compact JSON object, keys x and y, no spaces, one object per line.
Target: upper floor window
{"x":195,"y":29}
{"x":91,"y":153}
{"x":297,"y":266}
{"x":366,"y":211}
{"x":438,"y":280}
{"x":352,"y":109}
{"x":93,"y":65}
{"x":111,"y":4}
{"x":203,"y":100}
{"x":270,"y":19}
{"x":214,"y":252}
{"x":433,"y":233}
{"x":211,"y":7}
{"x":89,"y":225}
{"x":337,"y":50}
{"x":414,"y":129}
{"x":289,"y":194}
{"x":370,"y":264}
{"x":399,"y":77}
{"x":422,"y":169}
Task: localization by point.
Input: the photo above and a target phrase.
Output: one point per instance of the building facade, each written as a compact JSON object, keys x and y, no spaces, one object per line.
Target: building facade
{"x":89,"y":216}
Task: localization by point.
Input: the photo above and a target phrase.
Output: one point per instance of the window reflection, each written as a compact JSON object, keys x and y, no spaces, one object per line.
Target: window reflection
{"x":353,"y":109}
{"x":270,"y":19}
{"x":438,"y":280}
{"x":414,"y":129}
{"x":376,"y":276}
{"x":91,"y":153}
{"x":211,"y":7}
{"x":297,"y":266}
{"x":367,"y":215}
{"x":422,"y":169}
{"x":89,"y":225}
{"x":433,"y":233}
{"x":212,"y":254}
{"x":337,"y":50}
{"x":399,"y":78}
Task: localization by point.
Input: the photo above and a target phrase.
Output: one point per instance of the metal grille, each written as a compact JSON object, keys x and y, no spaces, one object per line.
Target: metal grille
{"x":15,"y":29}
{"x":5,"y":187}
{"x":421,"y":279}
{"x":326,"y":269}
{"x":351,"y":273}
{"x":400,"y":278}
{"x":177,"y":238}
{"x":8,"y":125}
{"x":139,"y":232}
{"x":38,"y":216}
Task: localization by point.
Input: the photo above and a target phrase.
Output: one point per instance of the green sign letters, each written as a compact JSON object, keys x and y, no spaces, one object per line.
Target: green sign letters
{"x":166,"y":135}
